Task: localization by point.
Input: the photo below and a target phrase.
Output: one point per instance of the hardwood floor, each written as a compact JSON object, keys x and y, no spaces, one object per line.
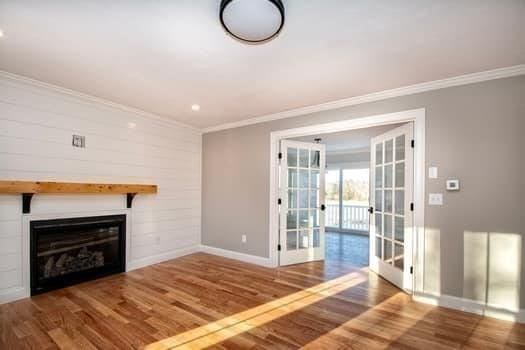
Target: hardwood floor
{"x":204,"y":301}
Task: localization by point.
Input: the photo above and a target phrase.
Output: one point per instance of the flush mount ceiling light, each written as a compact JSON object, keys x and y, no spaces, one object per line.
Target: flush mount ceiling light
{"x":252,"y":21}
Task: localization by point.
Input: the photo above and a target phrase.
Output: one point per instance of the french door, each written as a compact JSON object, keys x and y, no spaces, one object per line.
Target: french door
{"x":301,"y":233}
{"x":391,"y":217}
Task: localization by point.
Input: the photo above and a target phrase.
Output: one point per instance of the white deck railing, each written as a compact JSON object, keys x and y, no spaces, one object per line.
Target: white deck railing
{"x":355,"y":217}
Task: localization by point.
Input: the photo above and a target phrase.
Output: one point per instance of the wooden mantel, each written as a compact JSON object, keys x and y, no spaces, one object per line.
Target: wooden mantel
{"x":28,"y":188}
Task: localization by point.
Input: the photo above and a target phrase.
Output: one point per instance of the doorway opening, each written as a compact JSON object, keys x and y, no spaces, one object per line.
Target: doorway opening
{"x":355,"y":201}
{"x":347,"y":192}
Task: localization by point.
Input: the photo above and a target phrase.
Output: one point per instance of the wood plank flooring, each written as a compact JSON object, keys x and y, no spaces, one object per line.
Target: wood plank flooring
{"x":203,"y":301}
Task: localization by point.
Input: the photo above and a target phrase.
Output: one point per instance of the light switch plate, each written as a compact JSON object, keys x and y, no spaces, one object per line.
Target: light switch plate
{"x":243,"y":238}
{"x":433,"y":172}
{"x":435,"y":199}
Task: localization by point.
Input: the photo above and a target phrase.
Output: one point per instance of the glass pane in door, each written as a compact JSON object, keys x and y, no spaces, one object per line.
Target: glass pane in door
{"x":388,"y":176}
{"x":315,"y":158}
{"x":303,"y":199}
{"x":304,"y":239}
{"x":400,"y":174}
{"x":292,"y":199}
{"x":399,"y":229}
{"x":303,"y":178}
{"x":291,"y":219}
{"x":379,"y":245}
{"x":291,"y":240}
{"x":292,"y":177}
{"x":314,"y":179}
{"x":304,"y":158}
{"x":379,"y":153}
{"x":303,"y":219}
{"x":332,"y":198}
{"x":316,"y":239}
{"x":389,"y":151}
{"x":292,"y":157}
{"x":400,"y":147}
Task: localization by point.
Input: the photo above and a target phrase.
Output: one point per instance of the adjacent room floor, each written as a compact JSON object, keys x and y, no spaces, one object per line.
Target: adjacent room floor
{"x":204,"y":301}
{"x":347,"y":247}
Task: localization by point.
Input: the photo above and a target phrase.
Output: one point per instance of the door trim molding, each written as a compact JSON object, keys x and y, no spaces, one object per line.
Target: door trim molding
{"x":417,"y":116}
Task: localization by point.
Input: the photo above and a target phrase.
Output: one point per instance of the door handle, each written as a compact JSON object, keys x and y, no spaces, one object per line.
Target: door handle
{"x":371,"y":210}
{"x":323,"y":207}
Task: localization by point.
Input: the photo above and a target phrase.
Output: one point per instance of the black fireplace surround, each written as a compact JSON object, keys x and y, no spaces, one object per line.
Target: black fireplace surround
{"x":74,"y":250}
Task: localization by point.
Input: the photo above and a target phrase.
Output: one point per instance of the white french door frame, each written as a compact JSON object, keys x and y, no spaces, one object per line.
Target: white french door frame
{"x":417,"y":116}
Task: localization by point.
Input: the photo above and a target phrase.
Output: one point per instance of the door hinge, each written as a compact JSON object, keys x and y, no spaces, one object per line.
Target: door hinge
{"x":278,"y":247}
{"x":280,"y":155}
{"x":371,"y":210}
{"x":411,"y":206}
{"x":411,"y":270}
{"x":279,"y":201}
{"x":412,"y":143}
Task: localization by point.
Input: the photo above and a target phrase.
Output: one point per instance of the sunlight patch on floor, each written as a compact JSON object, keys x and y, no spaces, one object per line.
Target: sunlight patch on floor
{"x":364,"y":323}
{"x":216,"y":332}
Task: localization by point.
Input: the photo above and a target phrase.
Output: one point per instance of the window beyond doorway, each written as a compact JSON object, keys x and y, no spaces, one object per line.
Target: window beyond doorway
{"x":347,"y":199}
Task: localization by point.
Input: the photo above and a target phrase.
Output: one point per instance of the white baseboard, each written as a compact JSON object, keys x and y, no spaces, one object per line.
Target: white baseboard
{"x":473,"y":306}
{"x":13,"y":294}
{"x":155,"y":259}
{"x":462,"y":304}
{"x":252,"y":259}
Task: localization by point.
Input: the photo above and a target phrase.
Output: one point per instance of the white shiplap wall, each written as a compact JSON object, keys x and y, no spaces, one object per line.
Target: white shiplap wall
{"x":36,"y":126}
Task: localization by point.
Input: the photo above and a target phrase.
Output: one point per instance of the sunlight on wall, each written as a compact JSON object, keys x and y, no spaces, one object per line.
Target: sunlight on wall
{"x":492,"y":268}
{"x":432,"y":261}
{"x":504,"y":269}
{"x":475,"y":245}
{"x":218,"y":331}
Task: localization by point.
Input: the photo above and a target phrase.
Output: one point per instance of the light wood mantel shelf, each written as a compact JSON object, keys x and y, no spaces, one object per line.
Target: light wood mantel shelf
{"x":28,"y":188}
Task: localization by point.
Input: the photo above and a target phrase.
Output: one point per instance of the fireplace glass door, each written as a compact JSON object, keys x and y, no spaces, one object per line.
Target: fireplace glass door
{"x":67,"y":251}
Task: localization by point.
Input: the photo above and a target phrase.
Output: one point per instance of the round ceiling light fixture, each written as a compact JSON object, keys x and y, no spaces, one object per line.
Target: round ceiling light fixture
{"x":252,"y":21}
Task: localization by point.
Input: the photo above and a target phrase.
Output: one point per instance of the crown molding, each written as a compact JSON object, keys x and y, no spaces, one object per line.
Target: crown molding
{"x":92,"y":99}
{"x":382,"y":95}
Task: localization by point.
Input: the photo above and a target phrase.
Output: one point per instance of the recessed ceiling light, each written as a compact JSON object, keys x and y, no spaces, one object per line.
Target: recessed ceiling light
{"x":132,"y":125}
{"x":195,"y":108}
{"x":253,"y":21}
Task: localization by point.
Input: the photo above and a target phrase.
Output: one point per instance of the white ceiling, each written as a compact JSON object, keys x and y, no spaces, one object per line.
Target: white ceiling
{"x":163,"y":56}
{"x":349,"y":141}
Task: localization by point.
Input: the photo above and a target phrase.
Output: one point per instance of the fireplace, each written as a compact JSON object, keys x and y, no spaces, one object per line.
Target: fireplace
{"x":68,"y":251}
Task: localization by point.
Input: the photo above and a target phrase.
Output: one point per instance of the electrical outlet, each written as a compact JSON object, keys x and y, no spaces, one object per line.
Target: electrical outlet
{"x":243,"y":238}
{"x":79,"y":141}
{"x":435,"y":198}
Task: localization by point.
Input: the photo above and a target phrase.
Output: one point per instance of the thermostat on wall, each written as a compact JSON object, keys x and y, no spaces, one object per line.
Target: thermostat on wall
{"x":452,"y":185}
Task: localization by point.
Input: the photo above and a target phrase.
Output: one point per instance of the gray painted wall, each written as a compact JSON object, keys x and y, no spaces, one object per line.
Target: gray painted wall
{"x":473,"y":132}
